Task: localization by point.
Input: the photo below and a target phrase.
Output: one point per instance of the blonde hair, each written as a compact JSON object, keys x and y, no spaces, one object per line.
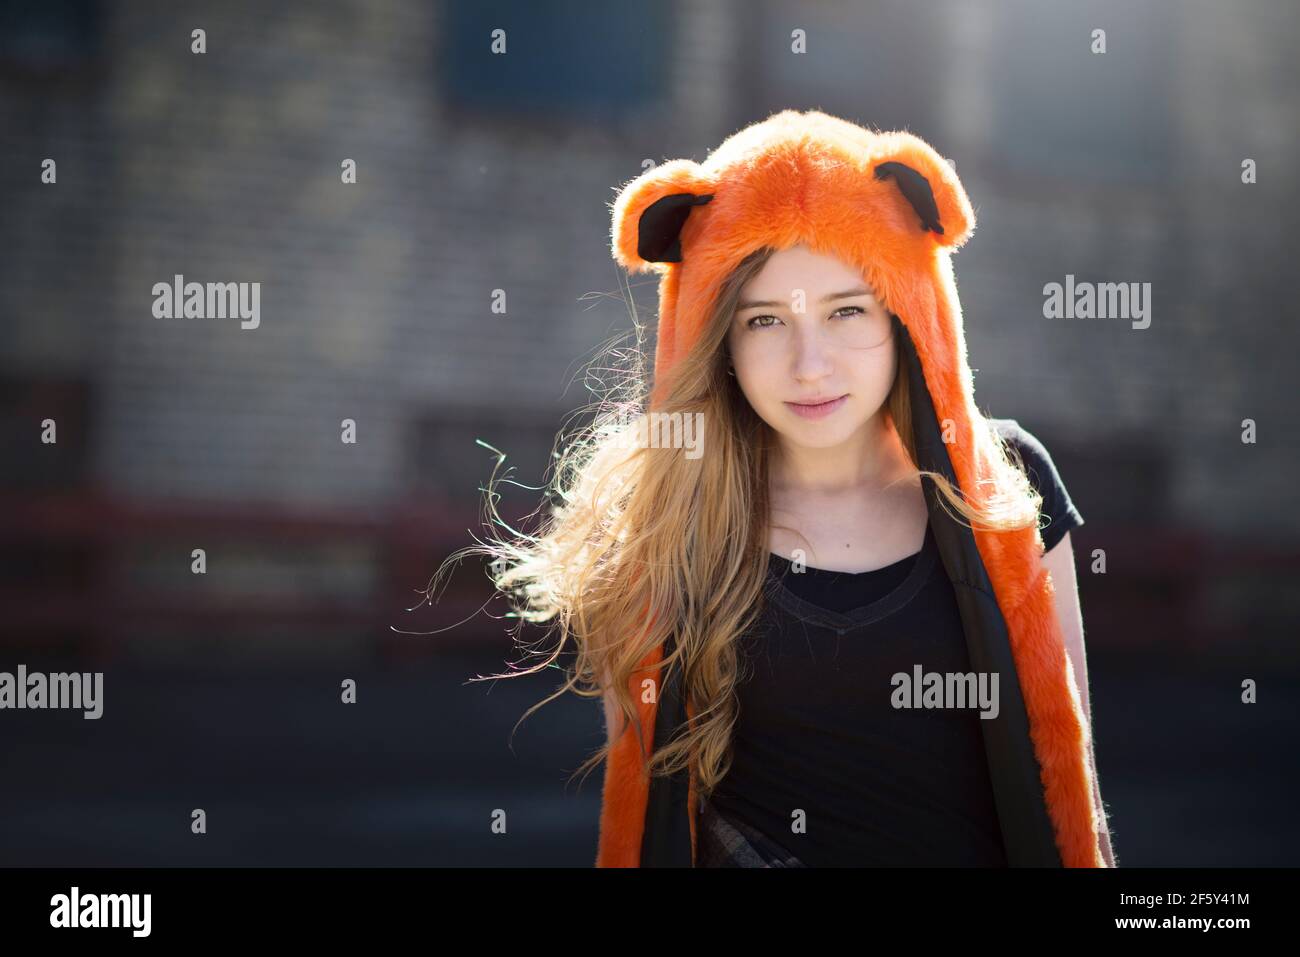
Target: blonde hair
{"x":645,"y":542}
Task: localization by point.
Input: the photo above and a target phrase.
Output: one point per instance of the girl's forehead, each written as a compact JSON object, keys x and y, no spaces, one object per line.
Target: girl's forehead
{"x":800,"y":268}
{"x":805,"y":289}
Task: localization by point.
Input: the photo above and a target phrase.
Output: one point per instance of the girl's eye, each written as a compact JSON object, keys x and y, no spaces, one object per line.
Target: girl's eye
{"x":755,"y":324}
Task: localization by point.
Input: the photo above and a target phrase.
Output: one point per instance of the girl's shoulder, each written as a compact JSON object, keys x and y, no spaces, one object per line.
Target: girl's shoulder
{"x":1058,"y":507}
{"x":1024,"y":441}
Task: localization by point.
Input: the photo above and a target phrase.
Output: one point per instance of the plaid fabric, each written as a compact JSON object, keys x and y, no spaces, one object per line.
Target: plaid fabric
{"x":727,"y":842}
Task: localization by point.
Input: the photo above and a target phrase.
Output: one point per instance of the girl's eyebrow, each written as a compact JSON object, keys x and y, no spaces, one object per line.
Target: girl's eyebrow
{"x":774,"y":304}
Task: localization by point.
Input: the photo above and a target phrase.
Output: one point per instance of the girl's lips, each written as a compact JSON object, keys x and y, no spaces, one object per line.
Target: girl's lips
{"x":816,"y":411}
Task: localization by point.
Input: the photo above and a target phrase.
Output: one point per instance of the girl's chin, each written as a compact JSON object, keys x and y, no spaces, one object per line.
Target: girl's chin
{"x":815,"y":435}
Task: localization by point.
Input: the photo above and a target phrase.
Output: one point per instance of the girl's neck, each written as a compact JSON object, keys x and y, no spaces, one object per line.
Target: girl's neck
{"x":873,"y":457}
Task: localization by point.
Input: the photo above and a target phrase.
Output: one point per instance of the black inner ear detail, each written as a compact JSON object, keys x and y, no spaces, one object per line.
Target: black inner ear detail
{"x":659,"y":233}
{"x":916,"y":189}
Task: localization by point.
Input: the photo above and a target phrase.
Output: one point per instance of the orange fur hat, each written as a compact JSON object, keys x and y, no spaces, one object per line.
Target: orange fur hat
{"x":889,"y":204}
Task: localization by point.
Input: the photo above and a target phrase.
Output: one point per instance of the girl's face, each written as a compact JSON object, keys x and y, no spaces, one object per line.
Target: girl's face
{"x":809,"y":330}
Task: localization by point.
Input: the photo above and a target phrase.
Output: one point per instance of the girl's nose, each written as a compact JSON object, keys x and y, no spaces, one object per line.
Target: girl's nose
{"x":812,"y":355}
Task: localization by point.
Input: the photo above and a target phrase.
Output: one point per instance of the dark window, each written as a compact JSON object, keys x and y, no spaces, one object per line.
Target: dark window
{"x":48,"y":37}
{"x":864,"y":62}
{"x":30,"y":463}
{"x":582,"y":58}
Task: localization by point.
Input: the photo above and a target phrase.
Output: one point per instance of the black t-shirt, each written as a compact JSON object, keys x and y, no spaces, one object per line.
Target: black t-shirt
{"x":817,"y":732}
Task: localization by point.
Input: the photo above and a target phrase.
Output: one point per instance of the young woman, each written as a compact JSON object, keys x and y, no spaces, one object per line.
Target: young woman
{"x":755,"y":609}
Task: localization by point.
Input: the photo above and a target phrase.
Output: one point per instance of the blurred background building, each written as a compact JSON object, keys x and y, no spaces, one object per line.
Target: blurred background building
{"x":481,"y":174}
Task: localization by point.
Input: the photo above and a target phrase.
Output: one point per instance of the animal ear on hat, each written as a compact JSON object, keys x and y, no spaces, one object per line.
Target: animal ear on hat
{"x":916,"y":188}
{"x":930,"y":185}
{"x":651,"y":210}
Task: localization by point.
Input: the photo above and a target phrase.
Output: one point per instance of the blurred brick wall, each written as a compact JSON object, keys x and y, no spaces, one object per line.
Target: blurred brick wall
{"x":376,"y":297}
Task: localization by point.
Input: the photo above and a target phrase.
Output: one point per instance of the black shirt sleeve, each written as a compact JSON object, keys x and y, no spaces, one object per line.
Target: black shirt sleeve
{"x":1059,"y":514}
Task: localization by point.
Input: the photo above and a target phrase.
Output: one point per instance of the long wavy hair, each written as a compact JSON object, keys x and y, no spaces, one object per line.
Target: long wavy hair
{"x":642,"y":541}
